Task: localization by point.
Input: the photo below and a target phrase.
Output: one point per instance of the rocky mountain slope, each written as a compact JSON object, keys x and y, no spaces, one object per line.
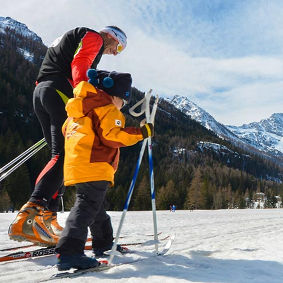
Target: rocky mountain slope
{"x":265,"y":136}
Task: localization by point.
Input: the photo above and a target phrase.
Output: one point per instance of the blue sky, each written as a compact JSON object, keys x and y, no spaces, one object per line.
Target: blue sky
{"x":225,"y":55}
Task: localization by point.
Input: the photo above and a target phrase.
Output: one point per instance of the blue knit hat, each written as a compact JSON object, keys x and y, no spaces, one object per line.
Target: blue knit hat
{"x":113,"y":83}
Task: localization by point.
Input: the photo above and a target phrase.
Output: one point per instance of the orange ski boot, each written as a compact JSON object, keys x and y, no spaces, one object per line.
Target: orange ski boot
{"x":50,"y":220}
{"x":29,"y":226}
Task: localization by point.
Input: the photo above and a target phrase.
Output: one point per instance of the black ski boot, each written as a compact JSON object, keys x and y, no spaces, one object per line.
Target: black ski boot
{"x":79,"y":261}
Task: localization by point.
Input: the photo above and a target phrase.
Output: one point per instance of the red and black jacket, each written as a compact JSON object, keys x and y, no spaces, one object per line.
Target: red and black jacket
{"x":72,"y":55}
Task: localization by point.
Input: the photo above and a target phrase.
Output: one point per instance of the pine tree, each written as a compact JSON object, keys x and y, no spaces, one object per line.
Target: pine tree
{"x":18,"y":187}
{"x":142,"y":197}
{"x":166,"y":196}
{"x":218,"y":199}
{"x":5,"y":202}
{"x":194,"y":196}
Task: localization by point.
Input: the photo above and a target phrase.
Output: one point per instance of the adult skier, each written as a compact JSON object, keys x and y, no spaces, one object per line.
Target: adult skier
{"x":64,"y":66}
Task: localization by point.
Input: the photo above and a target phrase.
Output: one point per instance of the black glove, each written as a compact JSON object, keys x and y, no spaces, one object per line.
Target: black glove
{"x":147,"y":130}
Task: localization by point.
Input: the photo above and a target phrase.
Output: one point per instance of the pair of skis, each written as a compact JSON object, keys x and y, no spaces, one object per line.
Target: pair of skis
{"x":105,"y":265}
{"x":48,"y":251}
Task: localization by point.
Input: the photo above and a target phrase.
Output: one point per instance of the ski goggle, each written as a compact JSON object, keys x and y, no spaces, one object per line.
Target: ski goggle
{"x":120,"y":47}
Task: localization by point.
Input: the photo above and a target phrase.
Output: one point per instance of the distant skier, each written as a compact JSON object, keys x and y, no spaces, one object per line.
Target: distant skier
{"x":173,"y":208}
{"x":64,"y":66}
{"x":94,"y":132}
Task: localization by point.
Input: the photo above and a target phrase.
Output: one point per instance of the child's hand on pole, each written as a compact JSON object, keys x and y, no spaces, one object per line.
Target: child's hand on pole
{"x":147,"y":130}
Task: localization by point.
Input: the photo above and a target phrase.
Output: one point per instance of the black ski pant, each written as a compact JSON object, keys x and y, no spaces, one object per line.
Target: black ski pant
{"x":88,"y":211}
{"x":49,"y":108}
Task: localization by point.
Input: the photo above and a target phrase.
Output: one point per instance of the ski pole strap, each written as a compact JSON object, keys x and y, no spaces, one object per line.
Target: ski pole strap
{"x":143,"y":103}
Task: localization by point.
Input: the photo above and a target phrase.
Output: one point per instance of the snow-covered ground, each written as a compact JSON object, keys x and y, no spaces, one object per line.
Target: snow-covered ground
{"x":210,"y":246}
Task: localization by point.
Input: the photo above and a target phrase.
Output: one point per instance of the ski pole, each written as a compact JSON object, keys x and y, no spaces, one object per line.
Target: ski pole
{"x":126,"y":206}
{"x":4,"y":168}
{"x":132,"y":185}
{"x":23,"y":160}
{"x":150,"y":119}
{"x":62,"y":204}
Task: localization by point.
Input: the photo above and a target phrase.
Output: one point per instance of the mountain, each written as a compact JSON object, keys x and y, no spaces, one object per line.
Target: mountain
{"x":21,"y":54}
{"x":201,"y":116}
{"x":265,"y":136}
{"x":19,"y":28}
{"x":18,"y":38}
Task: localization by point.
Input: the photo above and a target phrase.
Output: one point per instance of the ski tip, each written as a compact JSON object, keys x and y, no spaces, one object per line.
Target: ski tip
{"x":103,"y":262}
{"x":167,"y":246}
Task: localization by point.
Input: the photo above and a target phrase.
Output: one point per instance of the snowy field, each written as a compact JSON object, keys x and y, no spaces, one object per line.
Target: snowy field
{"x":210,"y":246}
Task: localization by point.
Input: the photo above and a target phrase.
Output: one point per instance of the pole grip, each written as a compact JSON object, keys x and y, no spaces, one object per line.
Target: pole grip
{"x":142,"y":102}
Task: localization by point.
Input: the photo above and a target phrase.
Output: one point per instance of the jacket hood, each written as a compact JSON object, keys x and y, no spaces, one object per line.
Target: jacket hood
{"x":86,"y":98}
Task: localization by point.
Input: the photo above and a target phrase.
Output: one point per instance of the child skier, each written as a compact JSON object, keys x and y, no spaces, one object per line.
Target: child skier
{"x":94,"y":132}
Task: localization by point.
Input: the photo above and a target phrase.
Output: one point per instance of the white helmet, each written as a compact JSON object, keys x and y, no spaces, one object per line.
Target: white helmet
{"x":118,"y":34}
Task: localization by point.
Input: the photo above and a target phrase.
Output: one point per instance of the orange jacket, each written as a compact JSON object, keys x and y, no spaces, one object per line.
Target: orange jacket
{"x":94,"y":131}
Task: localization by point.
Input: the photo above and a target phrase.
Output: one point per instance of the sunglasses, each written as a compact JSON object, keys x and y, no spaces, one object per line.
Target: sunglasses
{"x":120,"y":48}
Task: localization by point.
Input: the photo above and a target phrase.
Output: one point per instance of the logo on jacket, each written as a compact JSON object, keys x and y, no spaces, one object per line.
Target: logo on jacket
{"x":118,"y":123}
{"x":72,"y":130}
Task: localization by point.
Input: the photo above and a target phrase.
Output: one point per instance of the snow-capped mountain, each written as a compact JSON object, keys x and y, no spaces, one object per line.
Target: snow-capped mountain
{"x":15,"y":35}
{"x":20,"y":28}
{"x":200,"y":115}
{"x":265,"y":136}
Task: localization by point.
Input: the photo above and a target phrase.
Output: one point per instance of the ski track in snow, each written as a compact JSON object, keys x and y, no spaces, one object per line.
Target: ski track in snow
{"x":210,"y":246}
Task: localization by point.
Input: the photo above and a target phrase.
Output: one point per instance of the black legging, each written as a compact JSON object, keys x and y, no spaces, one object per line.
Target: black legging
{"x":88,"y":211}
{"x":50,"y":111}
